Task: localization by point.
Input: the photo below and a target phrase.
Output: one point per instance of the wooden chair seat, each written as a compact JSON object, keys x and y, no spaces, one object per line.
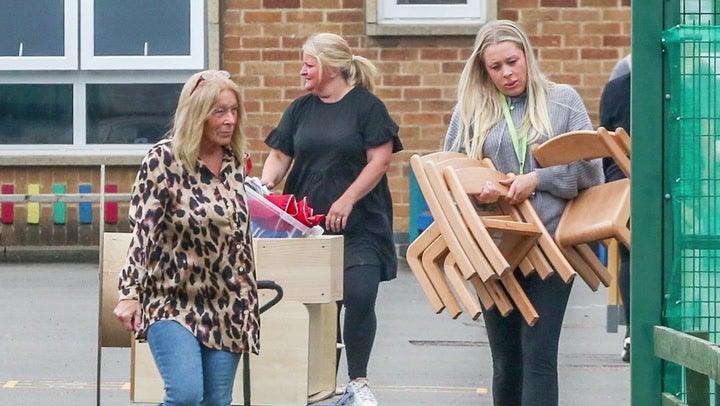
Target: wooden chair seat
{"x":597,"y":213}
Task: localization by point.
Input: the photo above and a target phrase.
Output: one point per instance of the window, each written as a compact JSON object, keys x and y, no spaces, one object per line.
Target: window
{"x":428,"y":17}
{"x":398,"y":10}
{"x":115,"y":87}
{"x":24,"y":46}
{"x":141,"y":34}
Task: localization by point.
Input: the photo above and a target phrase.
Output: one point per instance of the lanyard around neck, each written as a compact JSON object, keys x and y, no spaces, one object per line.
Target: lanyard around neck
{"x":519,"y":144}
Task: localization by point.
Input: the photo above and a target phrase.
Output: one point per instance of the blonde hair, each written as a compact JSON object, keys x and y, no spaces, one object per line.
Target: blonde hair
{"x":332,"y":51}
{"x":479,"y":102}
{"x":198,"y":99}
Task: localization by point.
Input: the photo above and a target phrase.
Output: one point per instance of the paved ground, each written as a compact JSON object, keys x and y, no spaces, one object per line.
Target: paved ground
{"x":48,"y":346}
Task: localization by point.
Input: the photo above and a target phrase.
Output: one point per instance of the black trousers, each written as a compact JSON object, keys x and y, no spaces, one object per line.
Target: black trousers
{"x":524,"y":358}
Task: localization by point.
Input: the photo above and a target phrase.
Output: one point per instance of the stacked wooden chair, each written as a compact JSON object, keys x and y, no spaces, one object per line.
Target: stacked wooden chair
{"x":599,"y":213}
{"x":465,"y":260}
{"x":467,"y":256}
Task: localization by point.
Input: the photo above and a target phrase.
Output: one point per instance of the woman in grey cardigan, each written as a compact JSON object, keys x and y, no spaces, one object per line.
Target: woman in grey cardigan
{"x":505,"y":105}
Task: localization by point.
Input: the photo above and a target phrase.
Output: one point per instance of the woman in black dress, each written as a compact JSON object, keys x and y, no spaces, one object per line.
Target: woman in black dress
{"x":340,"y":139}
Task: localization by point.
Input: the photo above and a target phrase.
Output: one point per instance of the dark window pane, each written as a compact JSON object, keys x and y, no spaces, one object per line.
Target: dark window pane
{"x":130,"y":113}
{"x":38,"y":25}
{"x":123,"y":28}
{"x":36,"y":114}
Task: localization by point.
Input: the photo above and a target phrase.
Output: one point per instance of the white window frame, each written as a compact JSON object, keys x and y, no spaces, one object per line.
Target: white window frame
{"x":387,"y":18}
{"x":80,"y":80}
{"x":196,"y":59}
{"x":472,"y":10}
{"x":205,"y":51}
{"x":69,"y":61}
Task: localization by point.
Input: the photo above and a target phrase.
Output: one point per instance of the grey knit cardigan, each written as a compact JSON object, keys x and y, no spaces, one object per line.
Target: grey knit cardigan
{"x":556,"y":184}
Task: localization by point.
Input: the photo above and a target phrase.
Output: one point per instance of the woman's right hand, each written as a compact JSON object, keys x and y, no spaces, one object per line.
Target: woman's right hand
{"x":129,"y":313}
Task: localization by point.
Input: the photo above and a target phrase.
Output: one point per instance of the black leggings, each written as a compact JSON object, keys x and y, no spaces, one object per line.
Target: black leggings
{"x":624,"y":284}
{"x":525,"y":358}
{"x":360,"y":289}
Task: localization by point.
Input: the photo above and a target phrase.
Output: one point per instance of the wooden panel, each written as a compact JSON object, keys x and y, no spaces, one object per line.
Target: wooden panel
{"x":115,"y":247}
{"x":310,"y":270}
{"x":323,"y":349}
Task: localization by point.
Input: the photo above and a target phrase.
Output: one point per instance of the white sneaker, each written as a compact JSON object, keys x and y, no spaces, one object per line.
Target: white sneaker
{"x":362,"y":395}
{"x":625,"y":354}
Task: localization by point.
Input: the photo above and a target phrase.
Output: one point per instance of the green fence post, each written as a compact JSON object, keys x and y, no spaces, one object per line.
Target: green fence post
{"x":647,"y":259}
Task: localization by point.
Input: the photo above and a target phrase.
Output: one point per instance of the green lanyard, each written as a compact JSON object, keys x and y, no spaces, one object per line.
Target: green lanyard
{"x":520,"y":145}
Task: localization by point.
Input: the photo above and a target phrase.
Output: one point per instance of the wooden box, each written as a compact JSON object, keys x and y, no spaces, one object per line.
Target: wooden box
{"x":310,"y":270}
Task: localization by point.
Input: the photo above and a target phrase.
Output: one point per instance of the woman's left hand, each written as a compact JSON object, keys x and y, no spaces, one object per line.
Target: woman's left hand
{"x":336,"y":218}
{"x":520,"y":187}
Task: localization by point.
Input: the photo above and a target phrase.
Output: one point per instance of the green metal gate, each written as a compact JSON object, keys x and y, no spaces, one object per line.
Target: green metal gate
{"x":676,"y":187}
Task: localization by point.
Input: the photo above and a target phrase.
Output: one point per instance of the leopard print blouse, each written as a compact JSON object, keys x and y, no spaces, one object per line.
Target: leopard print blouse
{"x":191,"y":257}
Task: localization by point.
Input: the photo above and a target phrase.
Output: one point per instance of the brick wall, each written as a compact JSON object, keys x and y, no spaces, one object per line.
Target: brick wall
{"x":577,"y":42}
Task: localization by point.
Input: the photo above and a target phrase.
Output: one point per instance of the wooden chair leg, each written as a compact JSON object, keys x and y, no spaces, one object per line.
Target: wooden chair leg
{"x":581,"y":267}
{"x":550,"y":248}
{"x":520,"y":299}
{"x":592,"y":260}
{"x":432,"y":261}
{"x":414,"y":258}
{"x":467,"y":297}
{"x":539,"y":263}
{"x":496,"y":291}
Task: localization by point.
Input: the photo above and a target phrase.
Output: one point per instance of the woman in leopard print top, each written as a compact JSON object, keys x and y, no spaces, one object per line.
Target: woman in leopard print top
{"x":188,"y":284}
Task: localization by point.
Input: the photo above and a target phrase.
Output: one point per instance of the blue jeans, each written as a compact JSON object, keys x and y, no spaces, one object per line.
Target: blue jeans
{"x":194,"y":375}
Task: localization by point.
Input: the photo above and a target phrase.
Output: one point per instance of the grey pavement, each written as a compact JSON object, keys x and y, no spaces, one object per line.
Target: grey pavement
{"x":48,"y":346}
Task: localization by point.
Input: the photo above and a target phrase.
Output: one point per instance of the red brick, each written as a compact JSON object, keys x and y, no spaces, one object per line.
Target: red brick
{"x":598,"y":53}
{"x":279,"y":54}
{"x":281,"y":3}
{"x":616,"y":41}
{"x":399,"y":54}
{"x":303,"y":16}
{"x":513,"y":15}
{"x":560,"y":28}
{"x":264,"y":16}
{"x":558,"y":3}
{"x":345,"y":16}
{"x":440,"y":54}
{"x":421,"y":93}
{"x":327,"y":4}
{"x":559,"y":53}
{"x":401,"y":80}
{"x":510,"y":4}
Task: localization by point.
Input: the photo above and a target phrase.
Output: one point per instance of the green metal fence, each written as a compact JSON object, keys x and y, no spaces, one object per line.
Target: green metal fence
{"x":691,"y":278}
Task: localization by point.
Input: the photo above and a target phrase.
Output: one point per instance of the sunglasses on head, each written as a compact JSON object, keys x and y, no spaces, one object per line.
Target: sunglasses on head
{"x":210,"y":76}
